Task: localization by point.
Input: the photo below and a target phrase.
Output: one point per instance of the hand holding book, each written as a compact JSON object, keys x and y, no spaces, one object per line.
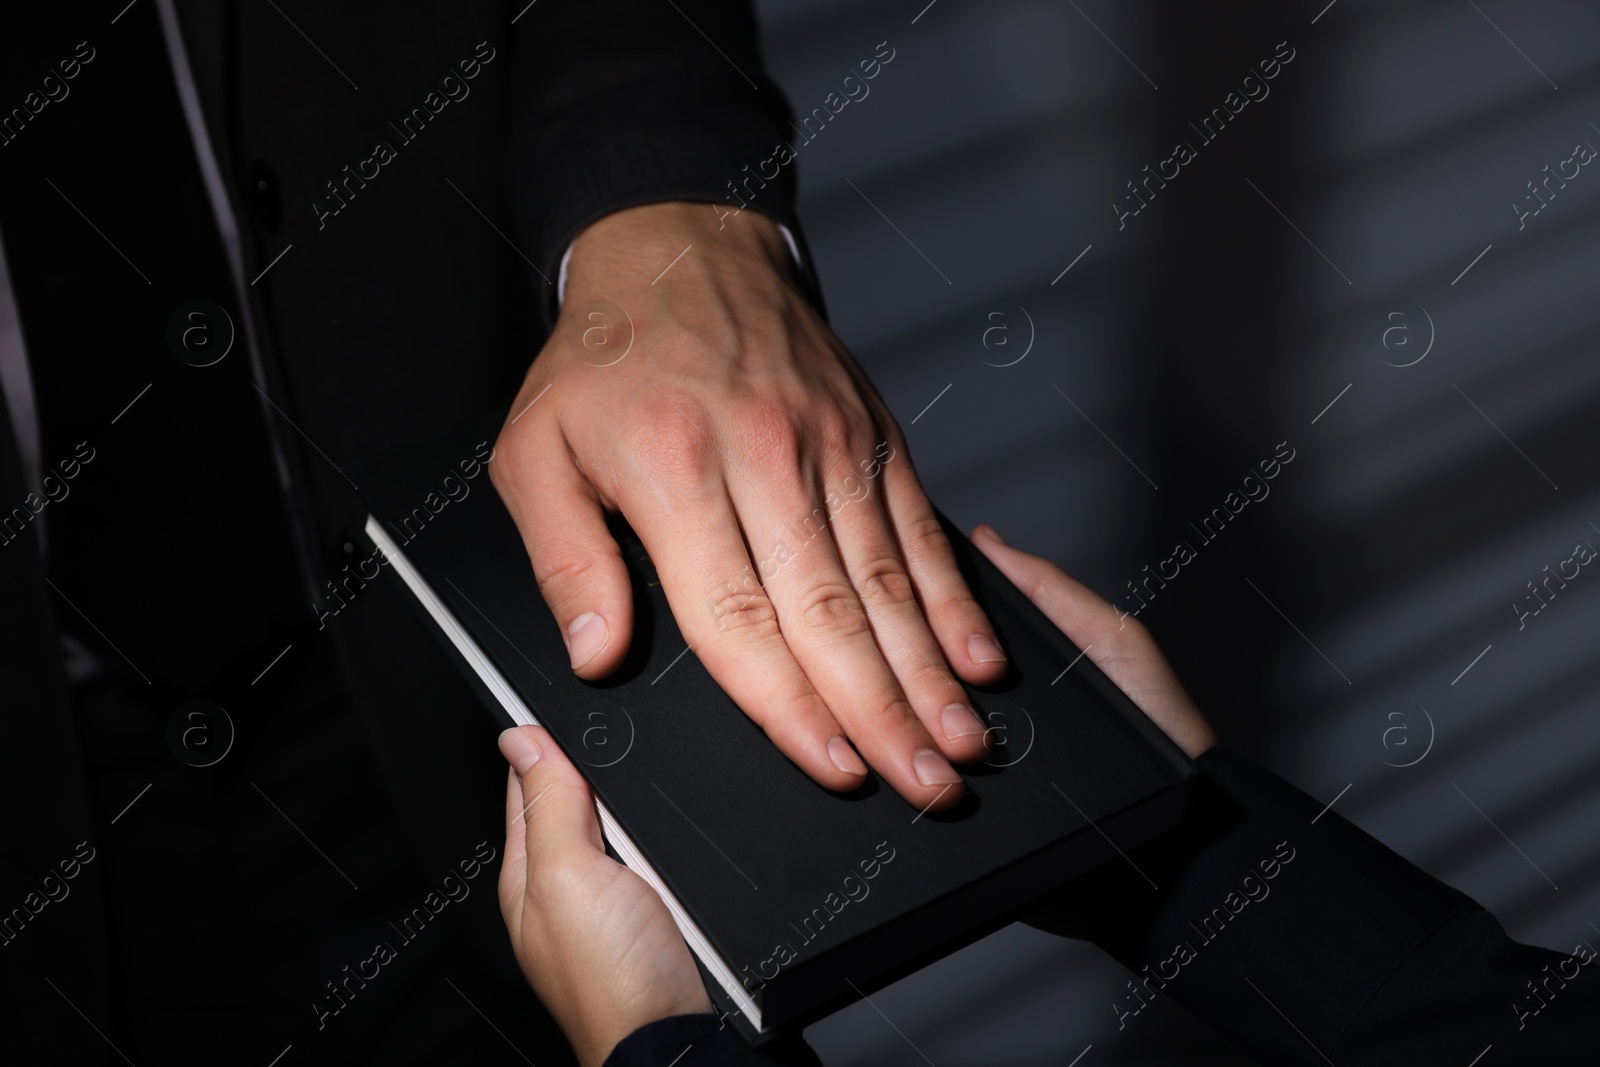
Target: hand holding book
{"x":597,"y":945}
{"x":595,"y":942}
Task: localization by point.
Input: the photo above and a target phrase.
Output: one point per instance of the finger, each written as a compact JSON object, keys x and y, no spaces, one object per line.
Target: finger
{"x":871,"y":557}
{"x":1113,"y":640}
{"x":830,"y":635}
{"x":578,"y":564}
{"x":963,"y":630}
{"x":1072,"y":606}
{"x":725,"y":616}
{"x":514,"y":864}
{"x":557,"y":809}
{"x":516,"y":852}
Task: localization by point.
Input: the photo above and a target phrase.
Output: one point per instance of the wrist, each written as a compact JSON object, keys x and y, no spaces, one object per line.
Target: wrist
{"x":638,"y":247}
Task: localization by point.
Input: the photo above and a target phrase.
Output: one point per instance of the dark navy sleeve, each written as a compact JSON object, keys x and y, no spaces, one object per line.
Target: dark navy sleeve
{"x":1306,"y":941}
{"x":704,"y":1041}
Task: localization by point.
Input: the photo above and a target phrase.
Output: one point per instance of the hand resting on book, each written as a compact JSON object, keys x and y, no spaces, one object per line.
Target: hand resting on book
{"x":691,"y":386}
{"x":597,"y":944}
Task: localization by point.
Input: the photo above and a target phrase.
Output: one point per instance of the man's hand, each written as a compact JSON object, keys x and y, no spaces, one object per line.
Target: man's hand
{"x":595,"y":942}
{"x":1116,"y":643}
{"x":691,"y":386}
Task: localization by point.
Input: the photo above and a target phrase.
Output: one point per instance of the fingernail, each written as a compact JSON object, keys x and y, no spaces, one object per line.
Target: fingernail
{"x":586,"y":636}
{"x":844,"y":757}
{"x":995,"y":534}
{"x":933,"y":769}
{"x":982,"y":649}
{"x":959,"y":721}
{"x":520,"y":749}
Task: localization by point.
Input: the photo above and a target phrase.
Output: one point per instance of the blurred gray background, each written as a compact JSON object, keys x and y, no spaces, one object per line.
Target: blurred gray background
{"x":1360,"y":618}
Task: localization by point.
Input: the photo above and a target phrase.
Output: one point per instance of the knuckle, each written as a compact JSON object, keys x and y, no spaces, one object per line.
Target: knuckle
{"x":560,"y":565}
{"x":550,"y":790}
{"x":554,"y":879}
{"x":896,"y":713}
{"x":879,"y":720}
{"x":838,"y":431}
{"x":666,"y":433}
{"x":766,"y":432}
{"x":884,"y":581}
{"x":673,"y":448}
{"x":961,"y":608}
{"x":790,"y":717}
{"x":929,"y":673}
{"x":924,"y":538}
{"x":514,"y":450}
{"x":746,"y":612}
{"x":832,"y":609}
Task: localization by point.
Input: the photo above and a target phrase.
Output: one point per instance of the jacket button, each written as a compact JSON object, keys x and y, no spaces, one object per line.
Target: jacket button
{"x":263,"y":196}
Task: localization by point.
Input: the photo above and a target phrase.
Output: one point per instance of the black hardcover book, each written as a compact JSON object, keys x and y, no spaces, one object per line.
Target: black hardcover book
{"x":795,"y":901}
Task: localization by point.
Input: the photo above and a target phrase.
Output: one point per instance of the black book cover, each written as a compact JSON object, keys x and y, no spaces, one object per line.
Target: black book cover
{"x":796,"y":901}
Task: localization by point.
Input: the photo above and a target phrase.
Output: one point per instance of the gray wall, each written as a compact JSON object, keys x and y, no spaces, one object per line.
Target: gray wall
{"x":1324,"y":620}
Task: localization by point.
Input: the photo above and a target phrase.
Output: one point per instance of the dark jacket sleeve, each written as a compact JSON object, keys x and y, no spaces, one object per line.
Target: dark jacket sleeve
{"x":1306,"y":941}
{"x":1294,"y":934}
{"x":617,"y":103}
{"x":704,"y":1041}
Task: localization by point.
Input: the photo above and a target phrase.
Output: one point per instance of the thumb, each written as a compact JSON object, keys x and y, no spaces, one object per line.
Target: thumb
{"x":577,"y":562}
{"x":556,"y":809}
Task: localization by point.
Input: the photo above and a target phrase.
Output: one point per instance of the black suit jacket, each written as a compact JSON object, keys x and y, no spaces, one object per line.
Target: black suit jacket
{"x":409,"y":309}
{"x":420,"y":168}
